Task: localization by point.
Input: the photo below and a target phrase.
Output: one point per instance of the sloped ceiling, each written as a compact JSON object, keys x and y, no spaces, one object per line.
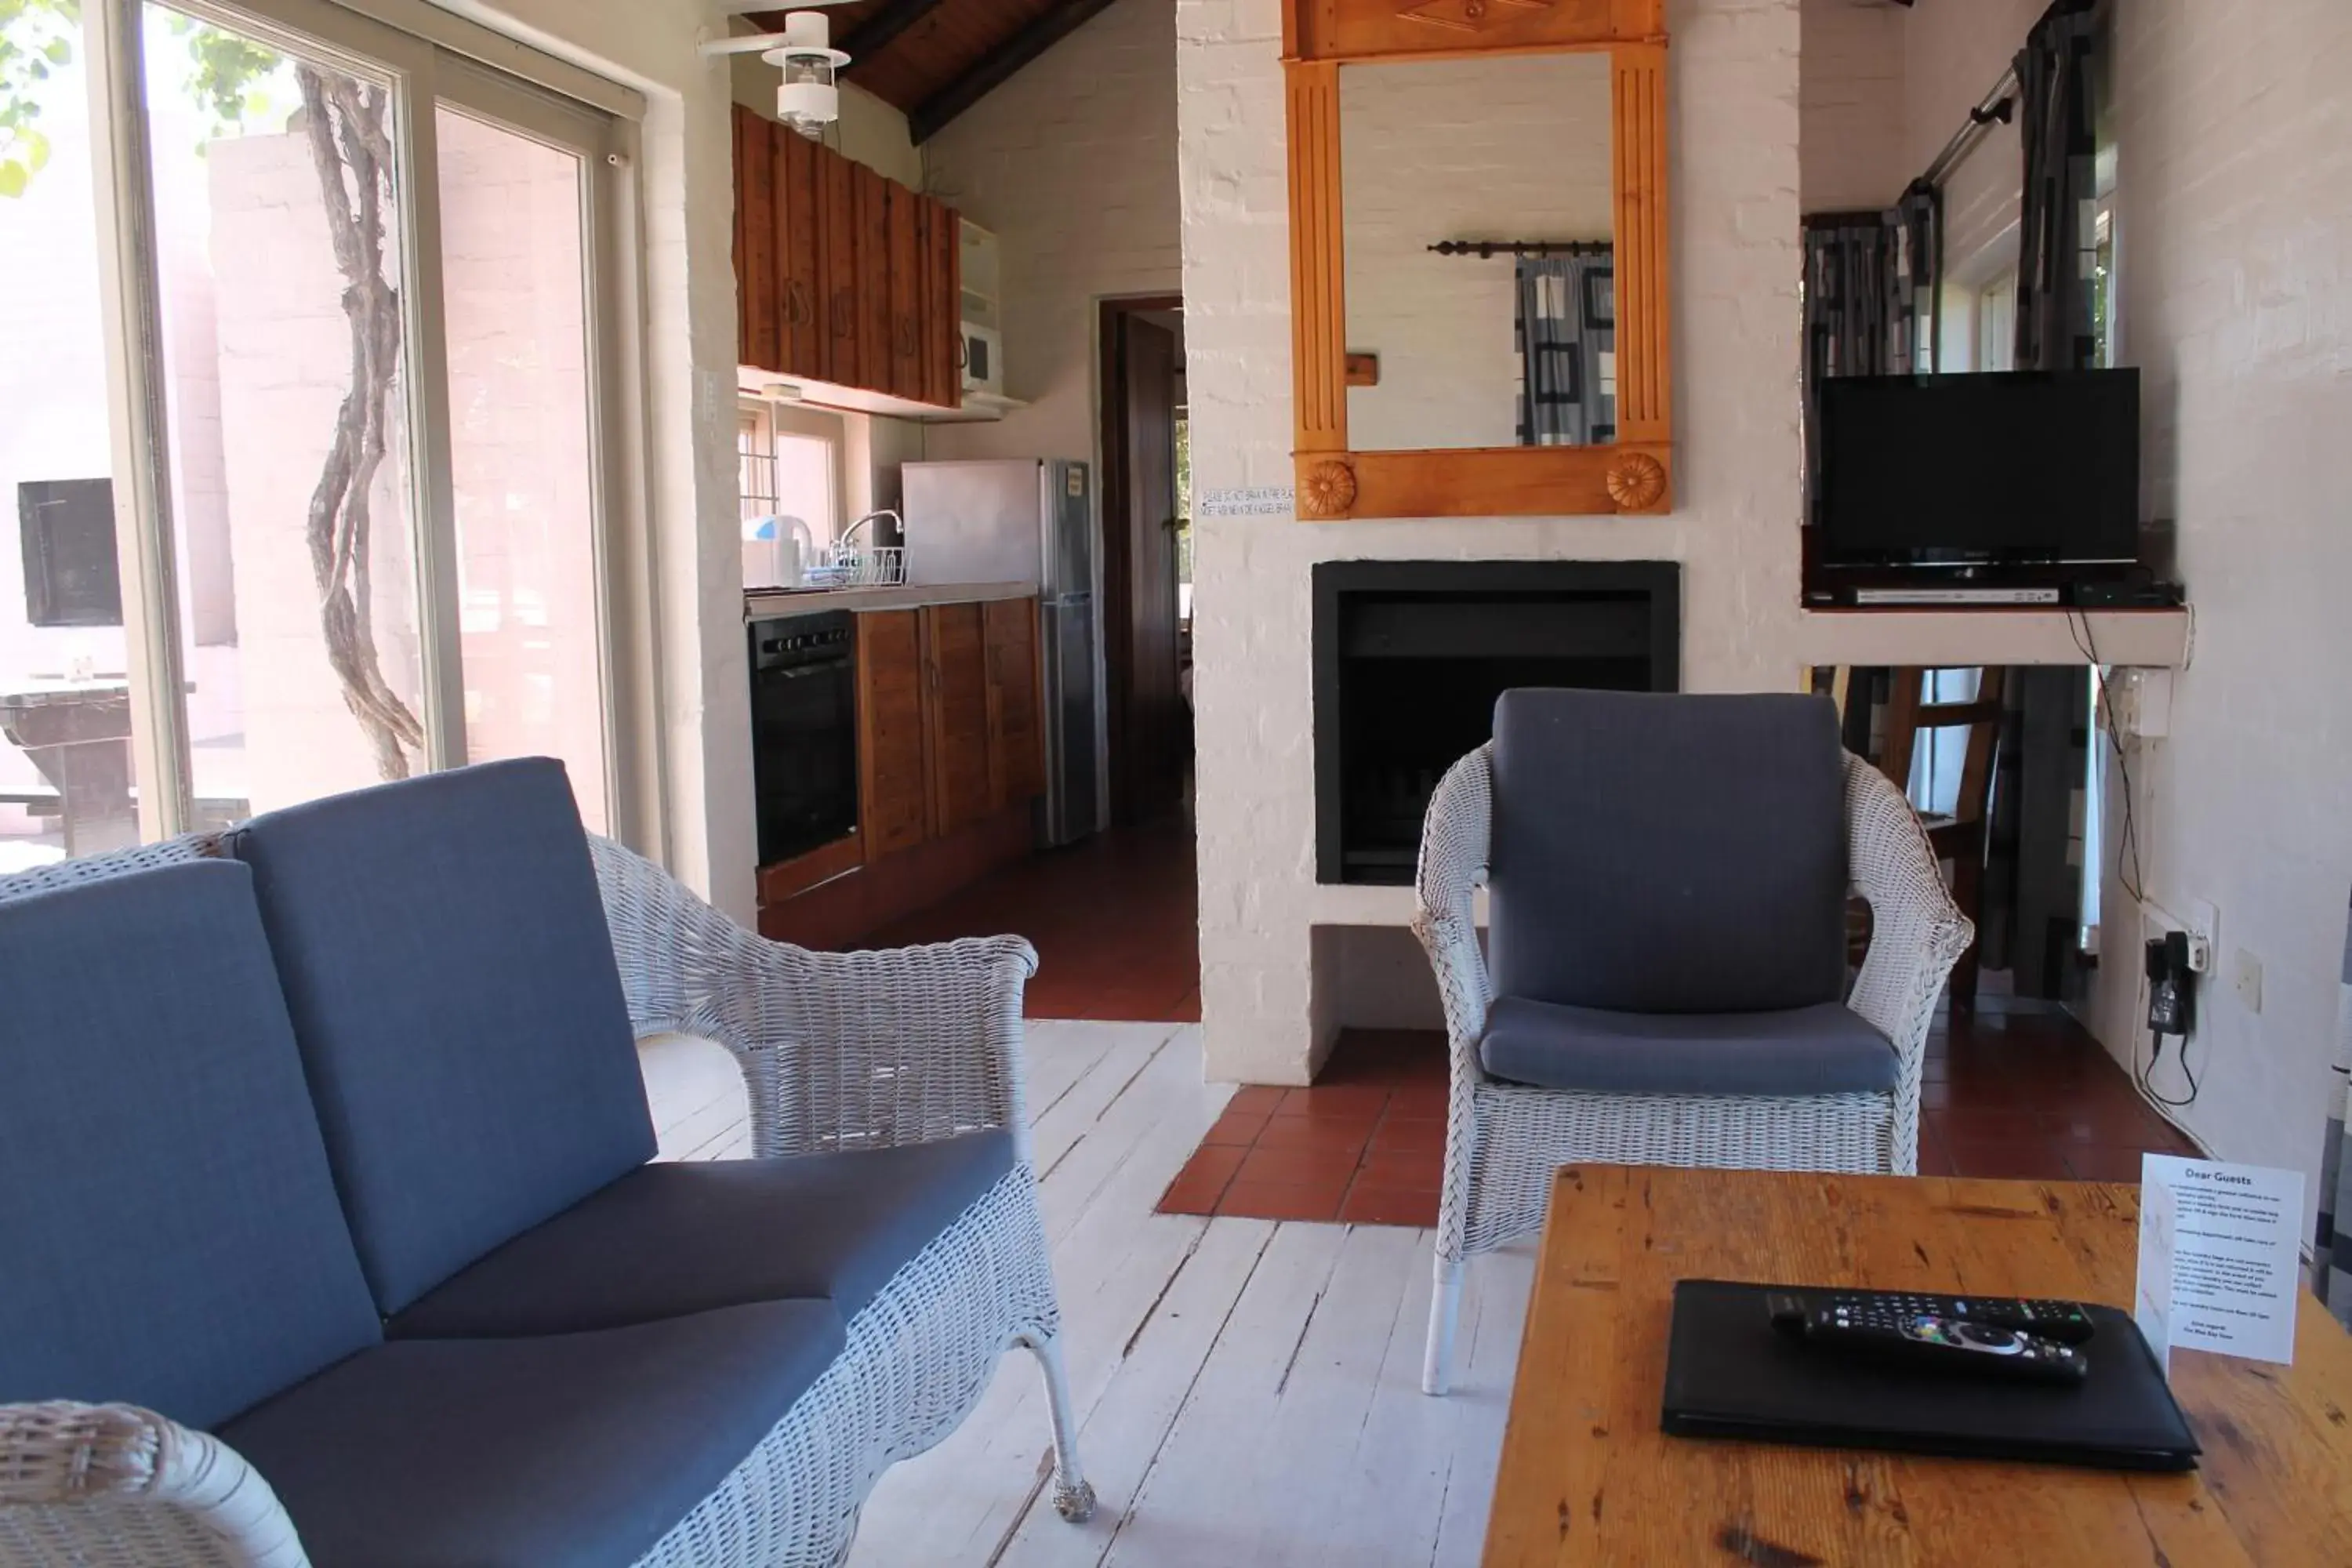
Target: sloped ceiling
{"x":935,"y":59}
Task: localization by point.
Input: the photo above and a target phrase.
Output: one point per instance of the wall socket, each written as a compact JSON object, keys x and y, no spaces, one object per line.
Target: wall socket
{"x":2202,"y":924}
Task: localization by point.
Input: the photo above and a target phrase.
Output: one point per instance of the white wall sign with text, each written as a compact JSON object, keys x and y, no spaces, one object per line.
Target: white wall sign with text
{"x":1260,"y":501}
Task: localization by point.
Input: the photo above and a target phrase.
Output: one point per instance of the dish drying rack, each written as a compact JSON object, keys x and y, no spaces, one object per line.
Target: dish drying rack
{"x":848,"y":564}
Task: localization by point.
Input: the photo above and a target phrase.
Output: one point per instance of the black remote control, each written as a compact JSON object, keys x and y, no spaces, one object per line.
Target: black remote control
{"x":2068,"y":1323}
{"x":1879,"y":1327}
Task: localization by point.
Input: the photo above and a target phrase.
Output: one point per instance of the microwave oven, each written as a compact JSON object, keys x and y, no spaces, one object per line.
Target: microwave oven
{"x":983,"y":360}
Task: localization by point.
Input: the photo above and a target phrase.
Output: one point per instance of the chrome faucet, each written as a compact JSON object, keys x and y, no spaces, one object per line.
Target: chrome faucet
{"x":847,"y":534}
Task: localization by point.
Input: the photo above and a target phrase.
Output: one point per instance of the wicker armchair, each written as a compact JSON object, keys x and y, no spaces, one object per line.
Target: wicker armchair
{"x":1505,"y":1139}
{"x":839,"y":1051}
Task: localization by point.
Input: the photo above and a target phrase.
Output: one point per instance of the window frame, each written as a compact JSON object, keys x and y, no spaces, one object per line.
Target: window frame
{"x":432,"y":60}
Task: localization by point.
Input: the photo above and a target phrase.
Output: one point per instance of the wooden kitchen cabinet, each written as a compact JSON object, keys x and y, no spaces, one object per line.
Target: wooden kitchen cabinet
{"x":893,"y":783}
{"x":800,"y":248}
{"x":842,"y":275}
{"x":955,"y":675}
{"x":1016,"y":734}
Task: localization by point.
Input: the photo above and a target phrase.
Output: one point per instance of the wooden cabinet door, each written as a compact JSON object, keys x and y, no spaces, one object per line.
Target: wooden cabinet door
{"x":955,"y":672}
{"x":943,"y":305}
{"x":873,"y":200}
{"x":893,"y":787}
{"x":906,"y":240}
{"x":1016,"y":737}
{"x":799,"y":249}
{"x":838,"y":177}
{"x":756,"y":277}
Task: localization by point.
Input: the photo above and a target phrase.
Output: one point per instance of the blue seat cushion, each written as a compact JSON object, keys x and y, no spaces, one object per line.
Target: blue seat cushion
{"x":446,"y":959}
{"x":686,"y":1237}
{"x":1668,"y":854}
{"x":1821,"y":1050}
{"x":572,"y":1451}
{"x":169,"y":1232}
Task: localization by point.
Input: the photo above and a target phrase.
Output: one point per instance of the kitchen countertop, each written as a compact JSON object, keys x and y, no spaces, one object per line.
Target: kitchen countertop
{"x":763,"y":604}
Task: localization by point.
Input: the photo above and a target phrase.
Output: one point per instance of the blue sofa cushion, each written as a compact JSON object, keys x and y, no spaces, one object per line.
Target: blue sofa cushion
{"x":686,"y":1237}
{"x":446,"y":959}
{"x":169,"y":1233}
{"x":574,"y":1451}
{"x":1668,"y":854}
{"x":1821,"y":1050}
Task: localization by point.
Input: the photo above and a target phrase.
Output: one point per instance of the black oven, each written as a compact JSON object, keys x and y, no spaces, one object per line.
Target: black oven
{"x":804,"y":731}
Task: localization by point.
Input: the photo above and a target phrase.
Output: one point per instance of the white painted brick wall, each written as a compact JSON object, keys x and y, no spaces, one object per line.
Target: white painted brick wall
{"x":1851,"y":92}
{"x":2235,"y":147}
{"x":1735,"y":160}
{"x":1501,"y":148}
{"x":1073,"y":164}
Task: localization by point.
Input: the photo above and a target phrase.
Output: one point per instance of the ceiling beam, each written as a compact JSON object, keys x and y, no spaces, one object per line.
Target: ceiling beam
{"x":874,"y":35}
{"x":997,"y":66}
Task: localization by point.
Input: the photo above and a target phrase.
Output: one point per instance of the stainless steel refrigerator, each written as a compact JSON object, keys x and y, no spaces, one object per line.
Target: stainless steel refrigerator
{"x":1028,"y":520}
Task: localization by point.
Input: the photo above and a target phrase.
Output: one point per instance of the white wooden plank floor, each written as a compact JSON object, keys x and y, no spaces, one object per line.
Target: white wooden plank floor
{"x":1249,"y":1392}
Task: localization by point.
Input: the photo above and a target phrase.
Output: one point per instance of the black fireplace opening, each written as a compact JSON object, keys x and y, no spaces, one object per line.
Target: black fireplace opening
{"x":1410,"y":657}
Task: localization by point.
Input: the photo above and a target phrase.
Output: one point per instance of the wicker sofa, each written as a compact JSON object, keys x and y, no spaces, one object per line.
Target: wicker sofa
{"x":330,"y":1231}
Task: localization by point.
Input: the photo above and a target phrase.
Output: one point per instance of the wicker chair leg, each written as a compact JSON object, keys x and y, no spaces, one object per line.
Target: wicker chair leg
{"x":1445,"y":1309}
{"x":1074,"y":1495}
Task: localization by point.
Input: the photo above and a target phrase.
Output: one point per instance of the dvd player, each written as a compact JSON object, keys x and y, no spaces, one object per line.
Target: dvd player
{"x":1934,"y":597}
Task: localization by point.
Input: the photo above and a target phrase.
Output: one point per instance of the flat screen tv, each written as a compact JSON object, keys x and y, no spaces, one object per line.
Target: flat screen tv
{"x":2005,"y":468}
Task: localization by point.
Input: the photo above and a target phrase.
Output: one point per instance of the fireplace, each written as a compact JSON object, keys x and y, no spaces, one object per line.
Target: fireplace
{"x":1410,"y":657}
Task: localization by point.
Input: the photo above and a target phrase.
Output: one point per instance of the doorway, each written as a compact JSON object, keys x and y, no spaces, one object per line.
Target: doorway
{"x":1150,"y":728}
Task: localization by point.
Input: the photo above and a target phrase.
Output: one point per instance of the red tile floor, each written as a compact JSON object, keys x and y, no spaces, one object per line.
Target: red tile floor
{"x":2013,"y":1090}
{"x":1114,"y":920}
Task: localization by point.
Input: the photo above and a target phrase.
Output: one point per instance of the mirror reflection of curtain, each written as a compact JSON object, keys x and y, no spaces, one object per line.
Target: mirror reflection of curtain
{"x":1568,"y":350}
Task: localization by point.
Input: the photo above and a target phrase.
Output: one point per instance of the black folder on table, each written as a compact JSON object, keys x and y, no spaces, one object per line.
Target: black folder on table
{"x":1729,"y":1373}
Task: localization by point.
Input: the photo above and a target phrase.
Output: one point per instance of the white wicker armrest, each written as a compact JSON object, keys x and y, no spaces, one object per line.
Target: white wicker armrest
{"x":96,"y":1485}
{"x":1455,"y":837}
{"x":838,"y":1050}
{"x":1916,"y":932}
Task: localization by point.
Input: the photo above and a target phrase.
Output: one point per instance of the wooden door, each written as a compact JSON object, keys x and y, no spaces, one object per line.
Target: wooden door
{"x":955,"y":696}
{"x":1149,"y":718}
{"x":906,"y":275}
{"x":1016,"y":737}
{"x":800,"y":246}
{"x":892,"y":784}
{"x":838,"y":176}
{"x":873,"y":200}
{"x":755,"y":221}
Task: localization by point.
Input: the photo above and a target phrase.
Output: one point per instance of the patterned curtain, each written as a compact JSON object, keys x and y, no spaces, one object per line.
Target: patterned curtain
{"x":2057,"y":237}
{"x":1567,"y":338}
{"x":1870,"y":290}
{"x":2331,"y":1268}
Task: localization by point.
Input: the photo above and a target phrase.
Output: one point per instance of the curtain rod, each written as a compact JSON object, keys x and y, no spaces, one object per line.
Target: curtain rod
{"x":1488,"y":249}
{"x":2000,"y":104}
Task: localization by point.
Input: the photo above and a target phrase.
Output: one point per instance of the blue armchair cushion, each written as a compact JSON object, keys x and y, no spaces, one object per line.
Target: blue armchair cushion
{"x":169,"y":1232}
{"x":686,"y":1237}
{"x":1825,"y":1048}
{"x":446,"y":959}
{"x":1668,"y":854}
{"x":575,"y":1451}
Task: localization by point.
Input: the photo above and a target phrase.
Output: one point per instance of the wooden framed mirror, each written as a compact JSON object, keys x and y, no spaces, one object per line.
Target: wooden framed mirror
{"x":1467,"y":177}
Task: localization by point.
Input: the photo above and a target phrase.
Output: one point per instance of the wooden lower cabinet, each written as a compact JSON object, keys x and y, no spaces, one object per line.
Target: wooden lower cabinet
{"x":1016,"y":731}
{"x":893,"y":788}
{"x":955,"y":672}
{"x":951,"y":754}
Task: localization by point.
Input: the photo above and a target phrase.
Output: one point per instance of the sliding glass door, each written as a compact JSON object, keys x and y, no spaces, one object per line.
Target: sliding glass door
{"x":363,"y":302}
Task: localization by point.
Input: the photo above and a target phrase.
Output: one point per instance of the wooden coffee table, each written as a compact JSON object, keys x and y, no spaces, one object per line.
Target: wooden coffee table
{"x":1587,"y":1476}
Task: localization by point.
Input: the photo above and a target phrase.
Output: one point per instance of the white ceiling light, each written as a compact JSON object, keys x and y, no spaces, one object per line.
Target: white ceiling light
{"x":809,"y":98}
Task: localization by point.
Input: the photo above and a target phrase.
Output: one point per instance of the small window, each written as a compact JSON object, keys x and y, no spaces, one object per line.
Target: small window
{"x":71,"y":576}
